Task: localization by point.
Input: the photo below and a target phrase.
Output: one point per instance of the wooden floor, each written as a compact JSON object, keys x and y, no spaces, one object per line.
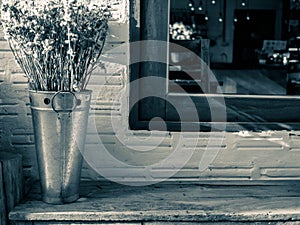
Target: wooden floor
{"x":169,"y":203}
{"x":253,"y":82}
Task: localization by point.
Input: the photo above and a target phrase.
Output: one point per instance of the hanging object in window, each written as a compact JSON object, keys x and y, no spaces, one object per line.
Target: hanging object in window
{"x":192,"y":5}
{"x":206,"y":16}
{"x":248,"y":14}
{"x":235,"y":19}
{"x":220,"y":19}
{"x":206,"y":11}
{"x":200,"y":8}
{"x":248,"y":17}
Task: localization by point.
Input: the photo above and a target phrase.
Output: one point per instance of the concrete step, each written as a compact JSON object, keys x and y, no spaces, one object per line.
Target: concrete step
{"x":169,"y":203}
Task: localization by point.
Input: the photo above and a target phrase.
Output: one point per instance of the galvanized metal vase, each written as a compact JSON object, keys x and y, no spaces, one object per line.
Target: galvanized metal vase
{"x":59,"y":122}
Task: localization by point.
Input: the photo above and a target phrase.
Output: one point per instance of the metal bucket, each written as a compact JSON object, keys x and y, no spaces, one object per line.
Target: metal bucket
{"x":59,"y":122}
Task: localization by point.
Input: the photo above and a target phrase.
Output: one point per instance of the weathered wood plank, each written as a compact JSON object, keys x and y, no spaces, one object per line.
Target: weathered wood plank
{"x":80,"y":223}
{"x":12,"y":181}
{"x":171,"y":202}
{"x":224,"y":223}
{"x":3,"y":215}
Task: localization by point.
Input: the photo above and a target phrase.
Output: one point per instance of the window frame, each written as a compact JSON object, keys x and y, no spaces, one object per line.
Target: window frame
{"x":243,"y":112}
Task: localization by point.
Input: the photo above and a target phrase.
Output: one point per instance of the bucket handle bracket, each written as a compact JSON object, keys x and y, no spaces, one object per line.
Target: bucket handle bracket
{"x":68,"y":110}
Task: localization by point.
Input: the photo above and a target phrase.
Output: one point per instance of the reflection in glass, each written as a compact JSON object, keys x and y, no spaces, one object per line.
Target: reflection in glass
{"x":253,"y":49}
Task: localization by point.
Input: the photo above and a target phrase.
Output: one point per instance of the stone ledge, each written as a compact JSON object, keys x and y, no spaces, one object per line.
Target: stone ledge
{"x":177,"y":201}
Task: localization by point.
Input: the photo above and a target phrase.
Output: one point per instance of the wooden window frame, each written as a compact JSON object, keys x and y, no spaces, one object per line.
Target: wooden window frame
{"x":243,"y":112}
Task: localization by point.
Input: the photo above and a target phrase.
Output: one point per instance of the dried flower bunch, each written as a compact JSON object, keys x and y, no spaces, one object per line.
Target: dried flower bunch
{"x":57,"y":43}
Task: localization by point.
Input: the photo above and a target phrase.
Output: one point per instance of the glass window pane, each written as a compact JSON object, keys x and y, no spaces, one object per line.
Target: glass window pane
{"x":254,"y":47}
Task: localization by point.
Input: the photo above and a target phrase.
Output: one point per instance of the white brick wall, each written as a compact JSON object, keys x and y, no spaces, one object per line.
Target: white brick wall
{"x":254,"y":156}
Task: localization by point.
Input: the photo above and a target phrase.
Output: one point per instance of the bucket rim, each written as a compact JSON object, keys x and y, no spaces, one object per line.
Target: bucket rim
{"x":64,"y":92}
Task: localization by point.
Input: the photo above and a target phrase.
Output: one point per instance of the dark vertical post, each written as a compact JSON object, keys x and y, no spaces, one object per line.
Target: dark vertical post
{"x":154,"y":27}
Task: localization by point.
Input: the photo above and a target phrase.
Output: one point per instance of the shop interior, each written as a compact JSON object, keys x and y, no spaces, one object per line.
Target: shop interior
{"x":252,"y":47}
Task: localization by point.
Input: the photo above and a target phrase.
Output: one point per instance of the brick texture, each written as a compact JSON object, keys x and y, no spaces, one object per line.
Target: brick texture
{"x":270,"y":155}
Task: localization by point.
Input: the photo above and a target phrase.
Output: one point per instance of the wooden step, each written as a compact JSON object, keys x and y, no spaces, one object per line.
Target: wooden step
{"x":11,"y":183}
{"x":168,"y":204}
